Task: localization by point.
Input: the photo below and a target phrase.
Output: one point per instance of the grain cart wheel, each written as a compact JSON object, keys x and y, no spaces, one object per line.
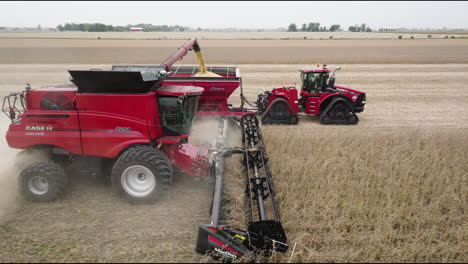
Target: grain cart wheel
{"x":42,"y":181}
{"x":141,"y":174}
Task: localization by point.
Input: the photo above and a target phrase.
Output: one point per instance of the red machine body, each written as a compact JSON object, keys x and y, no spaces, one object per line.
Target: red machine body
{"x":216,"y":90}
{"x":312,"y":102}
{"x":318,"y":92}
{"x":104,"y":125}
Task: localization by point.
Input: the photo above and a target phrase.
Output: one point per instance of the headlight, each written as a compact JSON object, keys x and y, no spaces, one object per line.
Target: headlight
{"x":354,"y":97}
{"x":363,"y":102}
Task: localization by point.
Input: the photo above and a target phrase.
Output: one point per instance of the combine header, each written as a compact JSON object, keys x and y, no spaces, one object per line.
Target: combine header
{"x":133,"y":122}
{"x":264,"y":231}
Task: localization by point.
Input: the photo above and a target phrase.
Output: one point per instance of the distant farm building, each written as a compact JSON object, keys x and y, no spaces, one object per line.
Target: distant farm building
{"x":136,"y":29}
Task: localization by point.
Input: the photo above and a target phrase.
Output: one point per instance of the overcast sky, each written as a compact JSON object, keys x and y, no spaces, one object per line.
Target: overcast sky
{"x":238,"y":14}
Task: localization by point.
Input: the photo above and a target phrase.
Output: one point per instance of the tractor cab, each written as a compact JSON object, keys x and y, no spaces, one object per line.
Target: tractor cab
{"x":314,"y":80}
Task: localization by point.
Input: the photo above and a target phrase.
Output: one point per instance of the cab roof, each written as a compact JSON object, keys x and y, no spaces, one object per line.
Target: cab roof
{"x":176,"y":90}
{"x":315,"y":69}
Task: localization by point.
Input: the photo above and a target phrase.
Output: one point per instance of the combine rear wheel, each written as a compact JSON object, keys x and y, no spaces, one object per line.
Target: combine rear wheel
{"x":338,"y":113}
{"x":141,"y":174}
{"x":42,"y":181}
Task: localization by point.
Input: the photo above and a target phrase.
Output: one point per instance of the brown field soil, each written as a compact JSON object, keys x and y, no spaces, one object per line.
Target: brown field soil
{"x":93,"y":51}
{"x":392,"y":188}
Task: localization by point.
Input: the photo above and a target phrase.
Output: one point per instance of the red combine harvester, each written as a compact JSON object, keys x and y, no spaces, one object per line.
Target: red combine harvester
{"x":319,"y":96}
{"x":133,"y":123}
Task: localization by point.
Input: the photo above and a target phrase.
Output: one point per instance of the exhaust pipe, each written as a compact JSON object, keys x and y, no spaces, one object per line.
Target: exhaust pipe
{"x":331,"y":80}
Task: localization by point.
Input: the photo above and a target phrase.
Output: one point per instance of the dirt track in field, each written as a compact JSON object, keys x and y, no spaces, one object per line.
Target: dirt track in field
{"x":409,"y":95}
{"x":93,"y":51}
{"x":400,"y":196}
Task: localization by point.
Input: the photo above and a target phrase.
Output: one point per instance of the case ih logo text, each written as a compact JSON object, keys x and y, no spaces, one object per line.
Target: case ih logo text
{"x":345,"y":91}
{"x":225,"y":253}
{"x":39,"y":128}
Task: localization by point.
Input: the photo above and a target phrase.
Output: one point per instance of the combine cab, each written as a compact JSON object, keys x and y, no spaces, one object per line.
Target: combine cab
{"x":319,"y":96}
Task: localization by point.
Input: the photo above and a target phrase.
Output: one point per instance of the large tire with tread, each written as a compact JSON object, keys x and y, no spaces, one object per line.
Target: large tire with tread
{"x":141,"y":174}
{"x":340,"y":113}
{"x":279,"y":113}
{"x":42,"y":181}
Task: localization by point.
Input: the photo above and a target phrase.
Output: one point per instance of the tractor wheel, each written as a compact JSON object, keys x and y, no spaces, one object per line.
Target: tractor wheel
{"x":141,"y":174}
{"x":42,"y":181}
{"x":279,"y":114}
{"x":325,"y":120}
{"x":294,"y":119}
{"x":339,"y":114}
{"x":266,"y":120}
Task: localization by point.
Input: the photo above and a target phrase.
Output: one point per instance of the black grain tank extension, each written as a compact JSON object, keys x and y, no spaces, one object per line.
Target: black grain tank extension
{"x":117,"y":81}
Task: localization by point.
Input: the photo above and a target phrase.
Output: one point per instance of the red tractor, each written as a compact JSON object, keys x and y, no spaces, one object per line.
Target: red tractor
{"x":319,"y":96}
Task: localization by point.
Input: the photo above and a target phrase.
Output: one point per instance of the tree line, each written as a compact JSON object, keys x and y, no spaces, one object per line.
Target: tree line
{"x":315,"y":27}
{"x":98,"y":27}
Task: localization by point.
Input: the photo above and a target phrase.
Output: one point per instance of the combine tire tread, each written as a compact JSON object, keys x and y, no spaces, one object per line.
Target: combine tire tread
{"x":150,"y":158}
{"x":56,"y":178}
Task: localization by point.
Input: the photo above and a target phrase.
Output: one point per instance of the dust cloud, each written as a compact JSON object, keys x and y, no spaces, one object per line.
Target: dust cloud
{"x":8,"y":174}
{"x":204,"y":131}
{"x":207,"y":129}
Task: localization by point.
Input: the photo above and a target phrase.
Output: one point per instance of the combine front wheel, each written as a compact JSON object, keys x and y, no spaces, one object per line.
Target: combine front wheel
{"x":141,"y":174}
{"x":42,"y":181}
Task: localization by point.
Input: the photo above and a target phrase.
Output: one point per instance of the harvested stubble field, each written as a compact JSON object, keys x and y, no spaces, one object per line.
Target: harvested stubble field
{"x":392,"y":188}
{"x":94,"y":51}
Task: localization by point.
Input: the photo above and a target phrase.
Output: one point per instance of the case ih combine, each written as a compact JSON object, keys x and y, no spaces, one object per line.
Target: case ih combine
{"x":133,"y":123}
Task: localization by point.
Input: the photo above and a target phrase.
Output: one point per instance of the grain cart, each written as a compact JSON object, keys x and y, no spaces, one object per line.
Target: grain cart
{"x":319,"y":96}
{"x":134,"y":121}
